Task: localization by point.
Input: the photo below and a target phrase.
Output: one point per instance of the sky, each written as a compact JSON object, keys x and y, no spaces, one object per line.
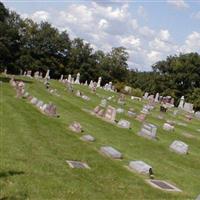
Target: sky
{"x":150,"y":30}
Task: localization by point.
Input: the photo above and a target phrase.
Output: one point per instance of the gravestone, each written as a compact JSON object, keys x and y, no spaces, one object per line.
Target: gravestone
{"x":163,"y":185}
{"x":148,"y":130}
{"x":141,"y":117}
{"x":96,"y":109}
{"x":181,"y":102}
{"x":168,"y":127}
{"x":84,"y":97}
{"x":198,"y":197}
{"x":110,"y":113}
{"x":111,"y":152}
{"x":77,"y":164}
{"x":76,"y":127}
{"x":77,"y":81}
{"x":88,"y":138}
{"x":103,"y":103}
{"x":40,"y":104}
{"x":50,"y":109}
{"x":197,"y":114}
{"x":146,"y":94}
{"x":188,"y":107}
{"x":131,"y":113}
{"x":34,"y":100}
{"x":69,"y":79}
{"x":120,"y":110}
{"x":61,"y":77}
{"x":136,"y":98}
{"x":123,"y":123}
{"x":179,"y":147}
{"x":140,"y":166}
{"x":157,"y":97}
{"x":99,"y":82}
{"x":47,"y":74}
{"x":78,"y":93}
{"x":26,"y":94}
{"x":86,"y":83}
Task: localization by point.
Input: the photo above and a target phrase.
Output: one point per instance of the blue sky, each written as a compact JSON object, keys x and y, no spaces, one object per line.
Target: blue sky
{"x":149,"y":30}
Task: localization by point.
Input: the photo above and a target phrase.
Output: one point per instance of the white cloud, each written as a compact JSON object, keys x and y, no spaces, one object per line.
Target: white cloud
{"x":141,"y":12}
{"x":192,"y":43}
{"x":39,"y":16}
{"x":154,"y":56}
{"x":107,"y":26}
{"x":178,"y":3}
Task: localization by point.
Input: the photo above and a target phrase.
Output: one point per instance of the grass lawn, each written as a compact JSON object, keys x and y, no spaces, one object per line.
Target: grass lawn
{"x":34,"y":147}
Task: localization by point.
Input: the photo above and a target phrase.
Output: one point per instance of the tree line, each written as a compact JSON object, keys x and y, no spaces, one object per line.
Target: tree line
{"x":27,"y":45}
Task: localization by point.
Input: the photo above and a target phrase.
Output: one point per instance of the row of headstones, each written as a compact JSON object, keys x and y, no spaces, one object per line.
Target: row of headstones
{"x":48,"y":109}
{"x":81,"y":95}
{"x":138,"y":166}
{"x":158,"y":98}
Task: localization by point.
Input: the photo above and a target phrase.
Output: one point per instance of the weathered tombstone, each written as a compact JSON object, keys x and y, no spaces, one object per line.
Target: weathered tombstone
{"x":124,"y":123}
{"x":168,"y":127}
{"x":198,"y":197}
{"x":40,"y":104}
{"x":111,"y":152}
{"x":110,"y":113}
{"x":77,"y":164}
{"x":179,"y":147}
{"x":141,"y":117}
{"x":120,"y":110}
{"x":146,"y":94}
{"x":188,"y":107}
{"x":47,"y":74}
{"x":181,"y":103}
{"x":96,"y":109}
{"x":157,"y":97}
{"x":61,"y":77}
{"x":76,"y":127}
{"x":140,"y":166}
{"x":91,"y":85}
{"x":78,"y":93}
{"x":85,"y":97}
{"x":103,"y":103}
{"x":197,"y":114}
{"x":148,"y":130}
{"x":131,"y":113}
{"x":50,"y":110}
{"x":99,"y":82}
{"x":88,"y":138}
{"x":86,"y":83}
{"x":69,"y":80}
{"x":101,"y":113}
{"x":136,"y":98}
{"x":34,"y":100}
{"x":26,"y":94}
{"x":77,"y":81}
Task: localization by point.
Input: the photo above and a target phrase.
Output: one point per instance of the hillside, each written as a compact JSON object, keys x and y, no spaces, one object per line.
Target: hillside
{"x":34,"y":148}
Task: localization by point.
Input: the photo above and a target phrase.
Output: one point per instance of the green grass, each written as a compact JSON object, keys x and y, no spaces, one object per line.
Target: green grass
{"x":34,"y":147}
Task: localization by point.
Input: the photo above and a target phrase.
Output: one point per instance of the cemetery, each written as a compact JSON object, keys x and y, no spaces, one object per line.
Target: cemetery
{"x":116,"y":122}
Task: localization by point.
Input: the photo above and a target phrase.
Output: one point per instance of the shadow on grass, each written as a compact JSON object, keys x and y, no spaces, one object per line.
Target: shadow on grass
{"x":10,"y":173}
{"x":7,"y":79}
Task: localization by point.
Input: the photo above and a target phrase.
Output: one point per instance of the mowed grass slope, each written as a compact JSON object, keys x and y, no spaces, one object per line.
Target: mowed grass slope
{"x":34,"y":147}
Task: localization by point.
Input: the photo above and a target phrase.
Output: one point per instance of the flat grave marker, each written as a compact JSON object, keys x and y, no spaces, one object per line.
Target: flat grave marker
{"x":77,"y":164}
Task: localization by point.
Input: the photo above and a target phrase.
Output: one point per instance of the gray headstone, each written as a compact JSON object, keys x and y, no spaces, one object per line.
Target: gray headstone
{"x":34,"y":100}
{"x":168,"y":127}
{"x":76,"y":127}
{"x":111,"y":152}
{"x":120,"y":110}
{"x":124,"y":123}
{"x":148,"y":130}
{"x":88,"y":138}
{"x":179,"y":147}
{"x":140,"y":166}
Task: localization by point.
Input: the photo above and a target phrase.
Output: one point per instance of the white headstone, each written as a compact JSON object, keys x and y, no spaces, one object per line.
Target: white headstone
{"x":179,"y":147}
{"x":157,"y":97}
{"x":99,"y":82}
{"x":47,"y":74}
{"x":124,"y":123}
{"x":77,"y":81}
{"x":111,"y":152}
{"x":88,"y":138}
{"x":168,"y":127}
{"x":181,"y":102}
{"x":148,"y":130}
{"x":69,"y":79}
{"x":140,"y":166}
